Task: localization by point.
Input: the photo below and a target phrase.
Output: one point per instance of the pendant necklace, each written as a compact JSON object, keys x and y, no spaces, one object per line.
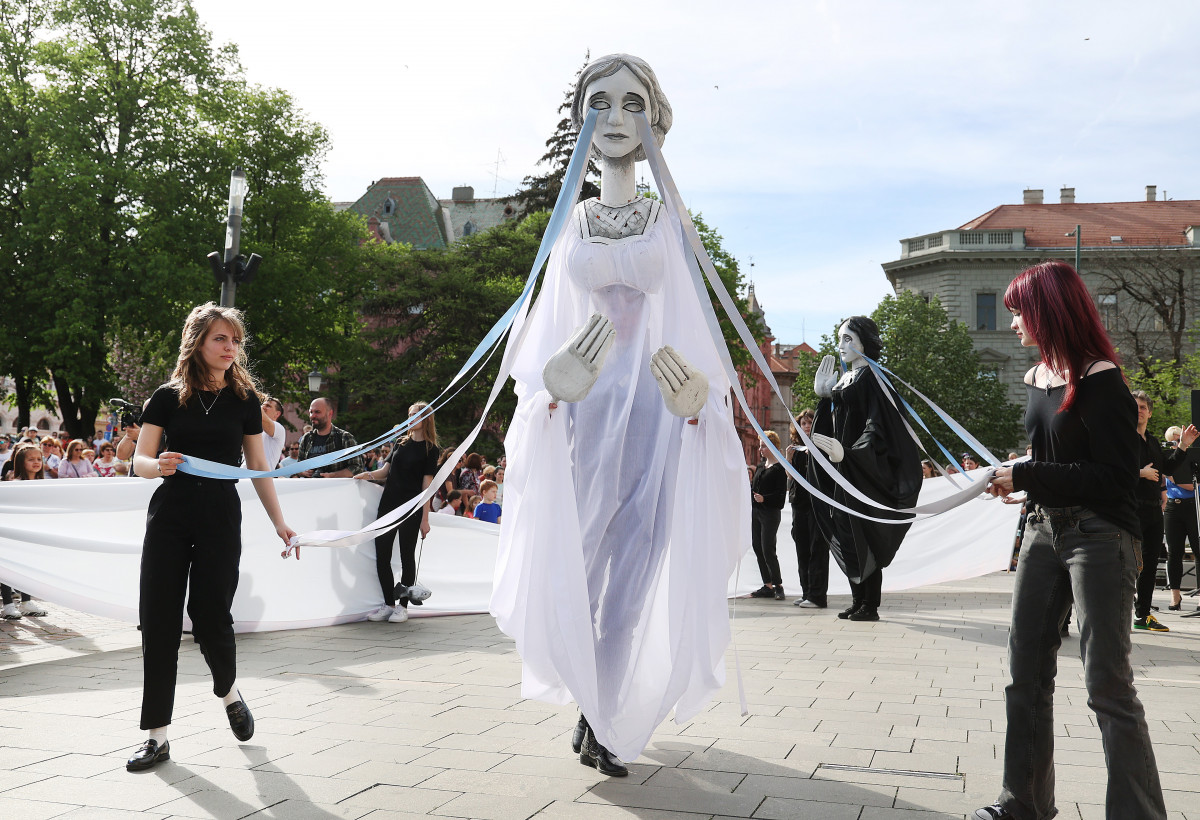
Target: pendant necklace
{"x":208,"y":407}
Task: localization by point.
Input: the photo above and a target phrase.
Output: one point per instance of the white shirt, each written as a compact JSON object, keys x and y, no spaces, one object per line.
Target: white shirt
{"x":273,"y":445}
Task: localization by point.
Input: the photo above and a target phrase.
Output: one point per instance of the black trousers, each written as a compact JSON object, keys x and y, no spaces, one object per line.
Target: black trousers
{"x":812,"y":554}
{"x":1180,"y":524}
{"x":1150,"y":516}
{"x":192,"y":547}
{"x":764,"y":531}
{"x":7,"y":593}
{"x":408,"y":531}
{"x":870,"y":591}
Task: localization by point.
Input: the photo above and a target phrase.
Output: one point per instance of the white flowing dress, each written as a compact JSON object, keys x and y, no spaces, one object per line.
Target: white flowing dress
{"x":622,"y":523}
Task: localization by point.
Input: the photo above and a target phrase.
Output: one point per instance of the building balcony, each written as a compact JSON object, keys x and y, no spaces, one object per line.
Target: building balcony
{"x":963,"y":240}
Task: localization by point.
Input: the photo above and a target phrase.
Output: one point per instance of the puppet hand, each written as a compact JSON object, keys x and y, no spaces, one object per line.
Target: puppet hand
{"x":573,"y":370}
{"x":683,"y":388}
{"x":826,"y":378}
{"x":831,"y":447}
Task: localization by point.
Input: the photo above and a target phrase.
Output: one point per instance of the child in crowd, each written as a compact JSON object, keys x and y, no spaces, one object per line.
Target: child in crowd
{"x":453,"y":503}
{"x":488,"y":510}
{"x":469,"y":508}
{"x":27,"y":466}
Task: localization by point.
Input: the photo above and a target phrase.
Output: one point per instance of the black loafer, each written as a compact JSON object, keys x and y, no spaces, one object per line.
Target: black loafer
{"x":577,"y":736}
{"x":148,"y":756}
{"x":240,"y":720}
{"x":599,"y":758}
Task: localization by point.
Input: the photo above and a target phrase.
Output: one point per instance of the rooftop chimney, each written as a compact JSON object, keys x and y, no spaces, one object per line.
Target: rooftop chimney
{"x":1033,"y":196}
{"x":1151,"y":193}
{"x":1067,"y":196}
{"x":463,"y":193}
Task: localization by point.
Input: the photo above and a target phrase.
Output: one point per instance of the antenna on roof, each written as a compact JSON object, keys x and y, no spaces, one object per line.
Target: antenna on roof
{"x":496,"y":172}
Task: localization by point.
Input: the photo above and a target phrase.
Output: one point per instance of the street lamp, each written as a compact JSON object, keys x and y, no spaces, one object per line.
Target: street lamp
{"x":314,"y":381}
{"x":1078,"y":234}
{"x":234,"y":268}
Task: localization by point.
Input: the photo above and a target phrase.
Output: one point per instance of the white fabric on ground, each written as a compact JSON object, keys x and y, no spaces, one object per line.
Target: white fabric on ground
{"x":78,"y":544}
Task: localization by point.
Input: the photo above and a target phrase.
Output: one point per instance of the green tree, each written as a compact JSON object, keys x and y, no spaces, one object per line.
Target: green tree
{"x":540,"y":192}
{"x":924,"y":347}
{"x":114,"y":181}
{"x":431,"y":310}
{"x":1168,"y":385}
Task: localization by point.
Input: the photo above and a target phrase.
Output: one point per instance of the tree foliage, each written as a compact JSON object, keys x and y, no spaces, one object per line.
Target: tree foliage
{"x":127,"y":123}
{"x":925,"y":348}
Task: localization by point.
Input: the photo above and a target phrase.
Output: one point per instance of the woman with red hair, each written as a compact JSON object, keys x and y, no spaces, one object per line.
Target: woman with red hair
{"x":1081,"y":545}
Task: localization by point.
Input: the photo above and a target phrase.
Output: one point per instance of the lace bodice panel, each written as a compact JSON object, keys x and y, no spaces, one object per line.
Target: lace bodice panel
{"x":598,"y":262}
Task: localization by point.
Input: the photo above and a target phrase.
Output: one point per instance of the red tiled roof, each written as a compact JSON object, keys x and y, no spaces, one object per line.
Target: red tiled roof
{"x":1137,"y":223}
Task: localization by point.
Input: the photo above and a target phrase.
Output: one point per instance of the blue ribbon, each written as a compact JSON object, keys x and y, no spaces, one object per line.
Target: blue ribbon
{"x":563,"y":208}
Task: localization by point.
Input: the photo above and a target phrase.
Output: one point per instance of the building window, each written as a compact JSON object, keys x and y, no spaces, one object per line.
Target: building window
{"x":468,"y":228}
{"x":389,"y":206}
{"x":965,"y":238}
{"x":1108,"y":310}
{"x":985,"y":311}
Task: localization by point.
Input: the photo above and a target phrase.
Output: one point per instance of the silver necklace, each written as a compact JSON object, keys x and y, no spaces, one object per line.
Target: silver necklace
{"x":208,"y":407}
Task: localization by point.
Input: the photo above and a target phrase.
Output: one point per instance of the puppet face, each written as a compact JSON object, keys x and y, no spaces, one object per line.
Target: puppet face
{"x":850,"y":346}
{"x":616,"y":99}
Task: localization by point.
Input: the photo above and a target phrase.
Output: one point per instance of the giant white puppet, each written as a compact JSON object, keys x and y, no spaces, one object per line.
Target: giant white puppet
{"x":626,"y":500}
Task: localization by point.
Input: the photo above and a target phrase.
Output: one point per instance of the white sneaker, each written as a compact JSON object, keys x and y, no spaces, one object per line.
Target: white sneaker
{"x":32,"y":608}
{"x":398,"y":616}
{"x":380,"y":614}
{"x":11,"y":613}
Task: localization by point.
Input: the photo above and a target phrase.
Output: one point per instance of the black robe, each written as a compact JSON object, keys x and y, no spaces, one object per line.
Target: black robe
{"x":881,"y":461}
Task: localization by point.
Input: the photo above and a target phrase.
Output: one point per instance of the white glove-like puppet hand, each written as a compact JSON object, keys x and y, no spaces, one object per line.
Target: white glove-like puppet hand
{"x":683,"y":388}
{"x":572,"y":371}
{"x":831,"y":447}
{"x":826,"y":378}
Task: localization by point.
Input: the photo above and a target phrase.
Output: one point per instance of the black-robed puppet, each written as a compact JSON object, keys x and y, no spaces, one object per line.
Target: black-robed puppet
{"x":858,"y":426}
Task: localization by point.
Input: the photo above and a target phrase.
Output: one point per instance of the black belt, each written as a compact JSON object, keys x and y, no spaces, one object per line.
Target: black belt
{"x":1178,"y":500}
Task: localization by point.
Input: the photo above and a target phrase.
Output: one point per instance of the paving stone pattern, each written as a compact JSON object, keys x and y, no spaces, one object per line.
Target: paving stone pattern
{"x":901,"y":719}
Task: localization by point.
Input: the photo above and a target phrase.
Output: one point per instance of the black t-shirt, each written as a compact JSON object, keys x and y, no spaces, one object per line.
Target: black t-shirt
{"x":215,"y":435}
{"x":1087,"y":456}
{"x":410,"y":462}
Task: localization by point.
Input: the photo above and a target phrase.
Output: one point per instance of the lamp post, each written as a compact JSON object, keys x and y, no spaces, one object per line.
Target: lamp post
{"x":1078,"y":234}
{"x":234,"y":268}
{"x":314,"y":381}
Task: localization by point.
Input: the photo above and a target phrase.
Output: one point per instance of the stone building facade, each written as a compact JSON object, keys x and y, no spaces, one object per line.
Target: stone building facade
{"x":968,"y":268}
{"x":404,"y":209}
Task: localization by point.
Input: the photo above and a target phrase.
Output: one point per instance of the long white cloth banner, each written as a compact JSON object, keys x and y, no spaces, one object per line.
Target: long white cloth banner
{"x":78,"y":544}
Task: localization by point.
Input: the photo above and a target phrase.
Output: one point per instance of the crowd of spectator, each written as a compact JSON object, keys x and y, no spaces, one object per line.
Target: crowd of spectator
{"x":475,"y":489}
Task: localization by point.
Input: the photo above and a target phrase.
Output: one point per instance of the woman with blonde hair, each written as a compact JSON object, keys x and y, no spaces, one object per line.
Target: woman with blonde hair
{"x":74,"y":465}
{"x":408,"y":471}
{"x":768,"y":491}
{"x":209,"y":409}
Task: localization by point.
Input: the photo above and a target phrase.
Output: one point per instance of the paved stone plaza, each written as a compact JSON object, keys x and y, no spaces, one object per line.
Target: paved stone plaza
{"x":848,"y":721}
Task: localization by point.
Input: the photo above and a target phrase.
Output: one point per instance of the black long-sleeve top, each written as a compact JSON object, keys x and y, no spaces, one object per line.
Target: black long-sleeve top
{"x":1088,"y":455}
{"x":797,"y":495}
{"x":1150,"y":452}
{"x":771,"y":483}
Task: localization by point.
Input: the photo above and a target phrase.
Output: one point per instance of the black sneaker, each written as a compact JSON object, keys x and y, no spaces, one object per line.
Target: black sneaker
{"x":763,"y":592}
{"x":1150,"y":623}
{"x":846,"y":613}
{"x":779,"y":596}
{"x":864,"y":613}
{"x":994,"y":812}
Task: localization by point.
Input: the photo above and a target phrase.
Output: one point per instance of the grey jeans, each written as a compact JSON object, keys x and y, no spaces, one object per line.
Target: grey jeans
{"x":1070,"y":554}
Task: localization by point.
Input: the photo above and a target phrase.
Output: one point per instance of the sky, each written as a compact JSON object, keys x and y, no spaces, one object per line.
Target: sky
{"x":814,"y":136}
